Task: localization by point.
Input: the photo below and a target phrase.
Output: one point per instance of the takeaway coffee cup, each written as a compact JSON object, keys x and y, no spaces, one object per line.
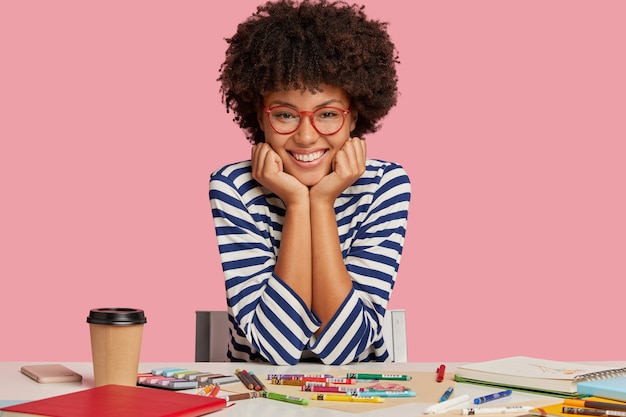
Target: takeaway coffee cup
{"x":115,"y":344}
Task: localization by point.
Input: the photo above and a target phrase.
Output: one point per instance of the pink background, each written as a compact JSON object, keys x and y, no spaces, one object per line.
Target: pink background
{"x":511,"y":124}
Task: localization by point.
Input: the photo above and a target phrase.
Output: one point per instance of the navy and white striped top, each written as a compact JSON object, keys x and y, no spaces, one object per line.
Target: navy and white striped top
{"x":268,"y":320}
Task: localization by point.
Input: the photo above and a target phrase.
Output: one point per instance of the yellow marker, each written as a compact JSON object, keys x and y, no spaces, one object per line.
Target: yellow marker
{"x":349,"y":398}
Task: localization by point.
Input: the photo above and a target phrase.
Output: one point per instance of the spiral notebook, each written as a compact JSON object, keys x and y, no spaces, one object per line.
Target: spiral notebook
{"x":611,"y":388}
{"x":544,"y":376}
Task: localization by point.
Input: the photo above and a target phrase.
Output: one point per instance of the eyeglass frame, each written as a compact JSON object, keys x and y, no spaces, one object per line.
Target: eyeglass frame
{"x":344,"y":113}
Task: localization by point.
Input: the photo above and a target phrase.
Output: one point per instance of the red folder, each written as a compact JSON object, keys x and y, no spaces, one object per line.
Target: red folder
{"x":119,"y":400}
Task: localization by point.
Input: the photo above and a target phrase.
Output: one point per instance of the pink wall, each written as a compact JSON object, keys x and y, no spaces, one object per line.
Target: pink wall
{"x":511,"y":123}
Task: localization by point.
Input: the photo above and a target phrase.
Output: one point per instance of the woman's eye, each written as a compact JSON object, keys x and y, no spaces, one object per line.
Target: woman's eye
{"x":328,"y":114}
{"x":284,"y":115}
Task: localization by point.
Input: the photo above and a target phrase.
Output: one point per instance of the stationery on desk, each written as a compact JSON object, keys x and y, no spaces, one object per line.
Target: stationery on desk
{"x":446,"y":394}
{"x":597,"y":403}
{"x":286,"y":398}
{"x":548,"y":377}
{"x":512,"y":409}
{"x":348,"y":398}
{"x":441,"y":373}
{"x":592,"y":412}
{"x":445,"y":405}
{"x":492,"y":397}
{"x":418,"y":390}
{"x":118,"y":400}
{"x":378,"y":377}
{"x":182,"y":378}
{"x":594,"y":406}
{"x":612,"y":388}
{"x":354,"y":391}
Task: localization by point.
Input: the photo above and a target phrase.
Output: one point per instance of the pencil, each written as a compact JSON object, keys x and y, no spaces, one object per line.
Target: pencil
{"x":593,"y":412}
{"x":257,"y":382}
{"x":252,"y":383}
{"x":594,"y":404}
{"x":242,"y":396}
{"x":244,"y":379}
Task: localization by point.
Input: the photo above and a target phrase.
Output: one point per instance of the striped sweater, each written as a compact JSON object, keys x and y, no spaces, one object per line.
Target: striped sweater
{"x":268,"y":320}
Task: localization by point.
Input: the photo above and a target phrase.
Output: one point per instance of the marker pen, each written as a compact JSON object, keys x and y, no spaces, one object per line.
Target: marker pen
{"x":296,"y":376}
{"x":347,"y":398}
{"x":493,"y":396}
{"x":285,"y":398}
{"x":377,"y":393}
{"x":495,"y":410}
{"x":441,"y":373}
{"x":343,"y":390}
{"x":446,"y":394}
{"x":379,"y":376}
{"x":439,"y":407}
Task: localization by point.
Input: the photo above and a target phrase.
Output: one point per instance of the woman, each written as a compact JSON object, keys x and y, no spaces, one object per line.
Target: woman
{"x":310,"y":231}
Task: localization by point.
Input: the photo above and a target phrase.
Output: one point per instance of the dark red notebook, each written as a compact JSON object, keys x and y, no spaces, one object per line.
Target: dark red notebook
{"x":119,"y":400}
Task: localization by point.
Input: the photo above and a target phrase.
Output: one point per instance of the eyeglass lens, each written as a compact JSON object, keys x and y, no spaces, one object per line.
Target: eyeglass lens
{"x":326,"y":120}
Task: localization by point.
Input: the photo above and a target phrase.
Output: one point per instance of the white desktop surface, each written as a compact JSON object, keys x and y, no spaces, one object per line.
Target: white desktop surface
{"x":14,"y":386}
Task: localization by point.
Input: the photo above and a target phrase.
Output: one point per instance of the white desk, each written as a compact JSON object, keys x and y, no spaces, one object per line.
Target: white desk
{"x":15,"y":386}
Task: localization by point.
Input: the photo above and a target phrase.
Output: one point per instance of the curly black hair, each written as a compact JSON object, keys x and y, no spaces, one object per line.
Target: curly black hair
{"x":288,"y":44}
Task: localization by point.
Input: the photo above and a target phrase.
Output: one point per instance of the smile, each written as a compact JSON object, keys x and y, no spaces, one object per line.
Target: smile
{"x":308,"y":157}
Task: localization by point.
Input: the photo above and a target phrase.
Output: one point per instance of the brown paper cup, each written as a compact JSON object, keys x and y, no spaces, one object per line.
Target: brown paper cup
{"x":116,"y":344}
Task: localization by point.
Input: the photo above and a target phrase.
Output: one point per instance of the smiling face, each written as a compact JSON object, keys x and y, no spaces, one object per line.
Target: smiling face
{"x":307,"y":154}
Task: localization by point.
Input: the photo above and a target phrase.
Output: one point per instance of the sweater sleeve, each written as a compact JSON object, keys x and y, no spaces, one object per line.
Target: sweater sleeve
{"x":273,"y":319}
{"x":372,"y":252}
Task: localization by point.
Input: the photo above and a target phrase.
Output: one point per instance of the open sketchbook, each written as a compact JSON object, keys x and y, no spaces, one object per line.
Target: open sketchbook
{"x":557,"y":378}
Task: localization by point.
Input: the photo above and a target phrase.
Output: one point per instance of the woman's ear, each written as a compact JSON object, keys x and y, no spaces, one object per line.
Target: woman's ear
{"x":259,"y":117}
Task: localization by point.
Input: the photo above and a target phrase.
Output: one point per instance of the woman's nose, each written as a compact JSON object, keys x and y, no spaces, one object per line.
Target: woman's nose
{"x":306,"y":133}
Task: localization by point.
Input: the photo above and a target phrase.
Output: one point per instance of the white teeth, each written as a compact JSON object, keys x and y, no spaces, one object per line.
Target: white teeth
{"x":308,"y":157}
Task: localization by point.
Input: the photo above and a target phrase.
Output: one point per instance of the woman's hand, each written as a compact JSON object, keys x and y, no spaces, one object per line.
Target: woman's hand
{"x":348,"y":166}
{"x":267,"y":169}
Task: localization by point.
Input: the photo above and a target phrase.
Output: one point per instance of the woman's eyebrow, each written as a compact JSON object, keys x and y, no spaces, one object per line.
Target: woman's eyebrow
{"x":288,"y":104}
